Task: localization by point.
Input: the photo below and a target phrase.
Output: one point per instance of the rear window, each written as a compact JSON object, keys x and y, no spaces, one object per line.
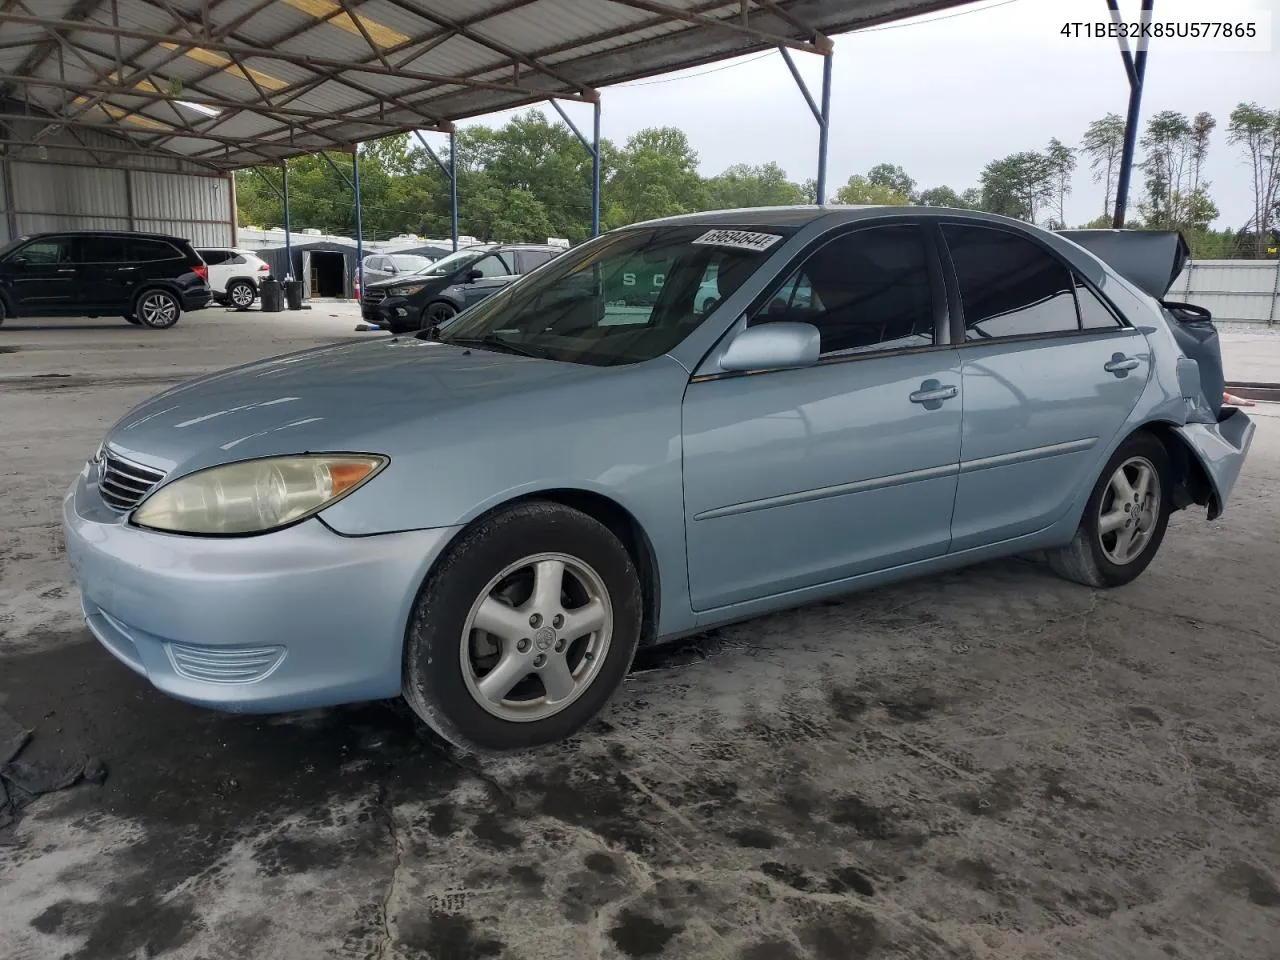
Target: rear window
{"x":151,"y":250}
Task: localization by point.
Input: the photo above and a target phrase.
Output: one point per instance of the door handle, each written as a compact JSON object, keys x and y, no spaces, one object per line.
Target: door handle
{"x":1120,"y":365}
{"x":932,"y":393}
{"x":66,"y":269}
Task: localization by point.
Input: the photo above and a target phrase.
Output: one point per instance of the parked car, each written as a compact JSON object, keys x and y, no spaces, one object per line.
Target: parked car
{"x":490,"y":517}
{"x":234,"y":275}
{"x":147,"y":278}
{"x":388,"y":266}
{"x":438,"y":292}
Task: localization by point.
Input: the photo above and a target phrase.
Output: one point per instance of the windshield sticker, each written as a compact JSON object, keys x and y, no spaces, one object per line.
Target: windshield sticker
{"x":739,"y":239}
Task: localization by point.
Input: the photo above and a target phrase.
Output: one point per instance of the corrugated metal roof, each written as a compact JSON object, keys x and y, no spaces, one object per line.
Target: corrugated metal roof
{"x":292,"y":76}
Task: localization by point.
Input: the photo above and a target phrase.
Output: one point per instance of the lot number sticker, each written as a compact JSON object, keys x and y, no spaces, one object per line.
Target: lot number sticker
{"x":739,"y":239}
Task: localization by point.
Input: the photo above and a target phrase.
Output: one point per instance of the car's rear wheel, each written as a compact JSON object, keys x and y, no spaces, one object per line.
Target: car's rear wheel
{"x":437,"y":314}
{"x":241,"y":294}
{"x":524,"y":631}
{"x":1125,"y":519}
{"x":157,"y":309}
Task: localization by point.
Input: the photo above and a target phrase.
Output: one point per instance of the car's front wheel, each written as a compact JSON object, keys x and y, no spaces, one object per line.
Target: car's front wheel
{"x":437,"y":314}
{"x":524,"y":631}
{"x":241,"y":294}
{"x":133,"y":319}
{"x":157,"y":309}
{"x":1125,"y":519}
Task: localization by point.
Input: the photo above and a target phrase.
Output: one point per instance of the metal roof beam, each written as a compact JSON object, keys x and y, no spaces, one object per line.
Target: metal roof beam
{"x":298,"y":59}
{"x":515,"y":56}
{"x":689,"y":16}
{"x":121,"y":151}
{"x":158,"y":95}
{"x":44,"y":49}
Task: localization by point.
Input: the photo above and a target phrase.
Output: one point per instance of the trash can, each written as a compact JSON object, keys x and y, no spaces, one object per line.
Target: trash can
{"x":293,"y":294}
{"x":270,"y":295}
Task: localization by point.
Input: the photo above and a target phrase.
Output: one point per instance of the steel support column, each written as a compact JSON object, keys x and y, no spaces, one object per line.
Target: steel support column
{"x":595,"y":170}
{"x":1135,"y":66}
{"x":355,"y":181}
{"x":592,"y":147}
{"x":822,"y":113}
{"x":288,"y":246}
{"x":450,"y":172}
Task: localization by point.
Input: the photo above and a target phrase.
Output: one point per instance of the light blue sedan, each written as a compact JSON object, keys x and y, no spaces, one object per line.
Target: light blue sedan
{"x":491,"y":516}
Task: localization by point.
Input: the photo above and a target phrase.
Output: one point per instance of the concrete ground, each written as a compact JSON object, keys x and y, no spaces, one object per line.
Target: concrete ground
{"x":988,"y":764}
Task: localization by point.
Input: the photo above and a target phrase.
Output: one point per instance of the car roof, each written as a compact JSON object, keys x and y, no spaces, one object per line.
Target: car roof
{"x":831,"y":214}
{"x":105,"y":233}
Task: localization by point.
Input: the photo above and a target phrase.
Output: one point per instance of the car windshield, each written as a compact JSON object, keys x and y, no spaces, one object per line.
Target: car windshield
{"x":452,"y":263}
{"x":410,"y":262}
{"x":627,"y":297}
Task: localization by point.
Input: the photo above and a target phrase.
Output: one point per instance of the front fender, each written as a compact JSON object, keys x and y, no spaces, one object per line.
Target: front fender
{"x":1221,"y":449}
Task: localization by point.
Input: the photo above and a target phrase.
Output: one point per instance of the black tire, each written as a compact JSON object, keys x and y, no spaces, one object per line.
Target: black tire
{"x":133,"y":319}
{"x":1089,"y":558}
{"x":437,"y":312}
{"x":4,"y":312}
{"x":241,"y":294}
{"x":435,"y":685}
{"x":157,"y":309}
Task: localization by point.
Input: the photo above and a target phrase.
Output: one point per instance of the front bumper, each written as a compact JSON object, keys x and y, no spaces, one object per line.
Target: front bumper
{"x":291,"y":620}
{"x":397,"y":314}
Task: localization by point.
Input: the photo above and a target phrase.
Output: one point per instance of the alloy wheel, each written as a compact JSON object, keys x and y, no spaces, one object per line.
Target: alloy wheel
{"x":536,"y":637}
{"x":158,"y":310}
{"x":241,"y":295}
{"x":1129,"y":511}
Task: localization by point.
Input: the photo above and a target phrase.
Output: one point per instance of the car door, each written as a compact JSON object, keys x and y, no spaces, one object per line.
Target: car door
{"x":795,"y":478}
{"x":496,"y":271}
{"x":100,"y":283}
{"x":42,"y":276}
{"x":1050,"y":374}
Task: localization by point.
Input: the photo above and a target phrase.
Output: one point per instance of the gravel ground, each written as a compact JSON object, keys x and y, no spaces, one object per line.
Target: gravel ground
{"x":987,"y":764}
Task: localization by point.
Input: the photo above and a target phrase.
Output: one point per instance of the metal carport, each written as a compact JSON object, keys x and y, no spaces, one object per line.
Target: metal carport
{"x":218,"y":85}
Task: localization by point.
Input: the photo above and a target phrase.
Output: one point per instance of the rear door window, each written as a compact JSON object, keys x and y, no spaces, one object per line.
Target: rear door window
{"x":147,"y":250}
{"x":101,"y":249}
{"x":1009,"y":286}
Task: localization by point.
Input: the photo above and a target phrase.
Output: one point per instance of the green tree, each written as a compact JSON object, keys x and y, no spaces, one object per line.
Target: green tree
{"x":743,"y":185}
{"x":860,"y":190}
{"x":1256,"y":131}
{"x":1061,"y":164}
{"x":656,"y":175}
{"x":1103,"y":144}
{"x":1017,"y":185}
{"x":941,"y":197}
{"x":892,"y":177}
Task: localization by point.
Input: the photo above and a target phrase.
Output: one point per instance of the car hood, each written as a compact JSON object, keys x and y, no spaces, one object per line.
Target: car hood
{"x":401,"y":279}
{"x":356,"y":397}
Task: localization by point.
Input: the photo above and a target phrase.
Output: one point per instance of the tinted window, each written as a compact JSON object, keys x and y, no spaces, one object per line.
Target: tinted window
{"x":868,"y":290}
{"x":140,"y":249}
{"x":1094,"y":314}
{"x":101,"y":249}
{"x":215,"y":257}
{"x":494,"y":265}
{"x":52,"y":250}
{"x":409,"y":262}
{"x":532,"y":259}
{"x":236,"y":258}
{"x":1009,"y":287}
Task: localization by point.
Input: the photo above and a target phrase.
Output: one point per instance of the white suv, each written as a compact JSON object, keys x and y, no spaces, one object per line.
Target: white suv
{"x":234,"y":275}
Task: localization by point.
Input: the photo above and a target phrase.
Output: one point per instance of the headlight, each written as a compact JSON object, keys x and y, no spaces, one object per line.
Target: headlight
{"x":408,"y":290}
{"x":255,"y":496}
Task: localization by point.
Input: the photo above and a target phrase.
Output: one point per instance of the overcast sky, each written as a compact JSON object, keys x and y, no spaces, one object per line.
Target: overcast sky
{"x":943,"y":94}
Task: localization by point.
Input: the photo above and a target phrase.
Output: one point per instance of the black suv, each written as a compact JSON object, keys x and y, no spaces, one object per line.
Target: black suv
{"x":147,"y":278}
{"x":437,"y":293}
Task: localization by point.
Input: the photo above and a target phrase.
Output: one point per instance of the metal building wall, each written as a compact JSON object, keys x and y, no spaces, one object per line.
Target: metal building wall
{"x":1234,"y":291}
{"x":64,"y":184}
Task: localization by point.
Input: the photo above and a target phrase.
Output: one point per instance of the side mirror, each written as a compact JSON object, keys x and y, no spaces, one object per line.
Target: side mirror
{"x":19,"y":261}
{"x":474,"y":275}
{"x":773,"y":346}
